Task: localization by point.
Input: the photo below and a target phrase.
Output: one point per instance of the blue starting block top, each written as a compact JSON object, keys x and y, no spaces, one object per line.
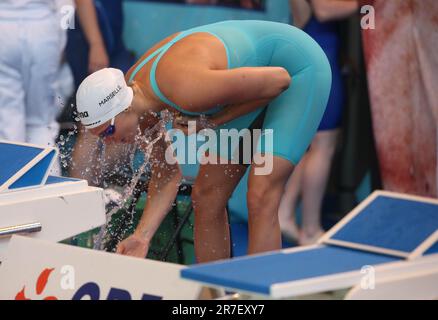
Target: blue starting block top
{"x":432,"y":250}
{"x":388,"y":223}
{"x":259,"y":273}
{"x":386,"y":228}
{"x":55,"y":180}
{"x":24,"y":165}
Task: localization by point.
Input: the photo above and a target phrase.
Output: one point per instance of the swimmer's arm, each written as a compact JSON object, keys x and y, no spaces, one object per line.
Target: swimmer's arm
{"x":162,"y":191}
{"x":275,"y":80}
{"x":206,"y":89}
{"x":327,"y":10}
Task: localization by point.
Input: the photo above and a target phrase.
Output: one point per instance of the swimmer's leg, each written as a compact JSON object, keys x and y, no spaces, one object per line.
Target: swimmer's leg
{"x":264,"y":195}
{"x":213,"y":188}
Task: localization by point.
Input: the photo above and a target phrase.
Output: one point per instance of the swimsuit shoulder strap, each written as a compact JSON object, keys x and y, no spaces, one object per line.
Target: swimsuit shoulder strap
{"x":159,"y":53}
{"x":143,"y":63}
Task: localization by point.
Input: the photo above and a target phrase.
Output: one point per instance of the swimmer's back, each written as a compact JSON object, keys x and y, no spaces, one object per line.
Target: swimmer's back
{"x":224,"y":45}
{"x":251,"y":43}
{"x":248,"y":43}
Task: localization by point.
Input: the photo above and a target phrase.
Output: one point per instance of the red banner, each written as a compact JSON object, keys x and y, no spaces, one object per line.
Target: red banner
{"x":402,"y":65}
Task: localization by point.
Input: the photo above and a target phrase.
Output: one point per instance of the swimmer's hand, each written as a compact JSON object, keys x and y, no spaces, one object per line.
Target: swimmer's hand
{"x":191,"y":125}
{"x":134,"y":246}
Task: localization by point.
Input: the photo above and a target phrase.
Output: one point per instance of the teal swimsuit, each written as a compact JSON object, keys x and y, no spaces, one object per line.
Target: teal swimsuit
{"x":294,"y":116}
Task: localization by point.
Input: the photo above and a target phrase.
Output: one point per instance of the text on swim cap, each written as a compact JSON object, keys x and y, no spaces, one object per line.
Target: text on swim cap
{"x":83,"y":115}
{"x":110,"y":96}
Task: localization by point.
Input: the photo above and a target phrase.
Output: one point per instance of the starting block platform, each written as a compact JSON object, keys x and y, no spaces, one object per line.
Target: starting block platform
{"x":24,"y":165}
{"x":43,"y":206}
{"x":390,"y":239}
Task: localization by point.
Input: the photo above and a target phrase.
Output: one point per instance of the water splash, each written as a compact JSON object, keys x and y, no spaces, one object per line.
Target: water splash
{"x":144,"y":143}
{"x":121,"y":169}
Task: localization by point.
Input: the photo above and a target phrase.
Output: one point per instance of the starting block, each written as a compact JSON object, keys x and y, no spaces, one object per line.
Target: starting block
{"x":43,"y":206}
{"x":53,"y":209}
{"x":386,"y":248}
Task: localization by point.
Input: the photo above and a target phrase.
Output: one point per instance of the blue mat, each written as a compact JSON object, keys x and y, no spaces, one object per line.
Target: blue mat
{"x":16,"y":157}
{"x":36,"y":174}
{"x":13,"y":158}
{"x":53,"y":180}
{"x":391,"y":223}
{"x":432,"y":250}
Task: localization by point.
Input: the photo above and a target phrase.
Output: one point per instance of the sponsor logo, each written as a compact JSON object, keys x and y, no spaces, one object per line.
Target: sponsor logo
{"x":83,"y":115}
{"x":89,"y":290}
{"x":41,"y":283}
{"x":224,"y":146}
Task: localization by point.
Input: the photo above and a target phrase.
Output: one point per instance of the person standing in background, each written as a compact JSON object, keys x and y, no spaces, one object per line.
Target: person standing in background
{"x":96,"y":41}
{"x":32,"y":42}
{"x":318,"y":18}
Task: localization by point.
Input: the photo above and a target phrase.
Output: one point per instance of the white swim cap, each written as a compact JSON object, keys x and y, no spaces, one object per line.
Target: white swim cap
{"x":102,"y":96}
